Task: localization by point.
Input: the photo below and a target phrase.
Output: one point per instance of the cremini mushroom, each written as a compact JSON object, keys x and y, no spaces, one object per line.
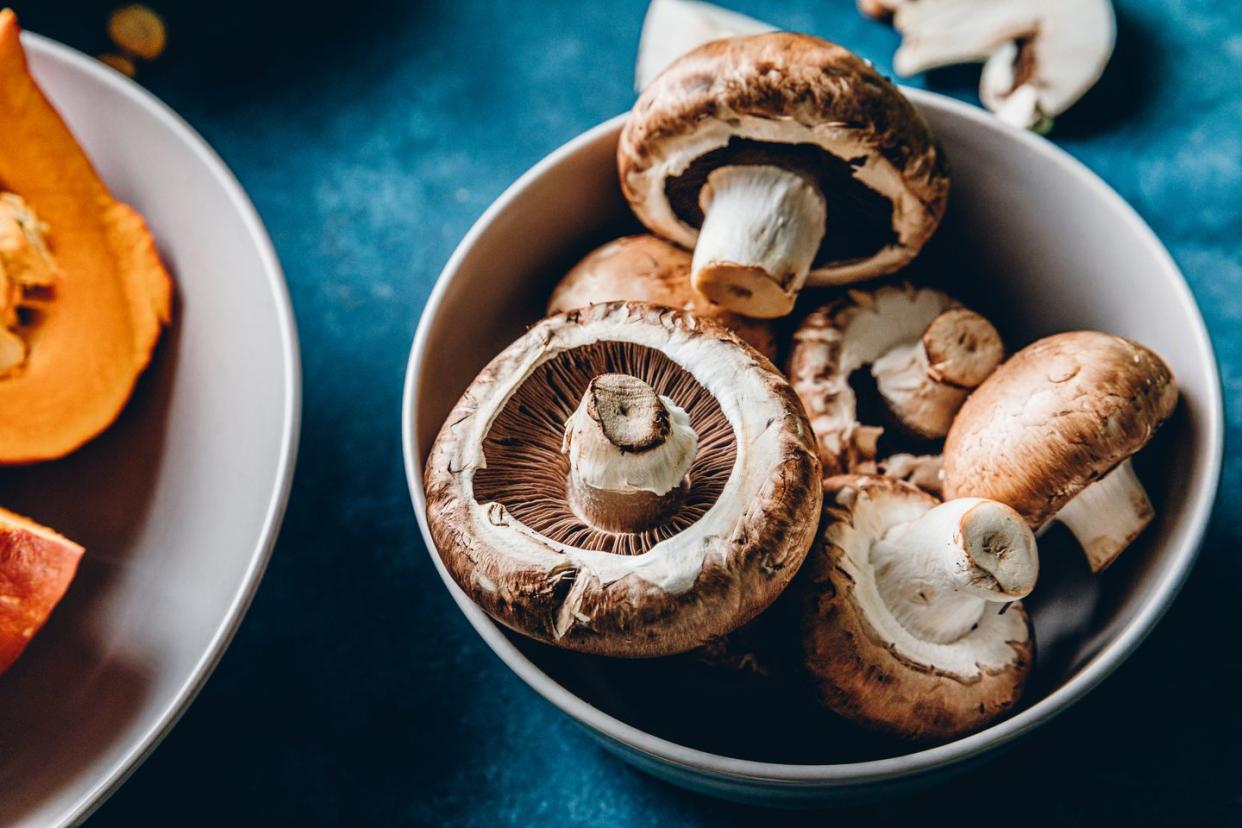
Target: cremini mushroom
{"x":625,"y":479}
{"x":908,"y":617}
{"x":645,"y":268}
{"x":1039,"y":56}
{"x":1051,"y":433}
{"x":674,"y":27}
{"x":781,"y":159}
{"x":924,"y":350}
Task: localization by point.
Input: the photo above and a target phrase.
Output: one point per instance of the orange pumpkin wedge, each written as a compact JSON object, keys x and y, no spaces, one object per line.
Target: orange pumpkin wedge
{"x":90,"y":334}
{"x":36,"y":568}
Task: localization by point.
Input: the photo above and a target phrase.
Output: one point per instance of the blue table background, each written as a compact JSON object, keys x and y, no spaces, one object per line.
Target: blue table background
{"x":370,"y":136}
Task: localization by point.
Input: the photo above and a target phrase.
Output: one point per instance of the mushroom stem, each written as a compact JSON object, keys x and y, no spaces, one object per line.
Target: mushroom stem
{"x":762,"y":226}
{"x":925,"y":383}
{"x":1108,"y":515}
{"x":629,"y":453}
{"x":938,"y":573}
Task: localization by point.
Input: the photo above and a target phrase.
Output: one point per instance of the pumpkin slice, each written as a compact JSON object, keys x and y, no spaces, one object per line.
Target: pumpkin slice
{"x":36,"y":567}
{"x":89,"y":321}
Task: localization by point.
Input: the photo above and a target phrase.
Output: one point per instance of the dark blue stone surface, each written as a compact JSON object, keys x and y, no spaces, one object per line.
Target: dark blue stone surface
{"x":370,"y":136}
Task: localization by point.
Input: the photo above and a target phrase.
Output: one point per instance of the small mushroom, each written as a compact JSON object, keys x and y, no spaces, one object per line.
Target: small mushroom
{"x":645,"y":268}
{"x":625,"y":479}
{"x":908,"y":617}
{"x":781,"y":159}
{"x":1039,"y":56}
{"x":1051,"y":434}
{"x":674,"y":27}
{"x":925,"y":351}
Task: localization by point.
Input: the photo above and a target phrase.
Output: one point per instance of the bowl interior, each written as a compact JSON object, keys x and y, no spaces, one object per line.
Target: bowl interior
{"x":1032,"y":240}
{"x":178,"y":503}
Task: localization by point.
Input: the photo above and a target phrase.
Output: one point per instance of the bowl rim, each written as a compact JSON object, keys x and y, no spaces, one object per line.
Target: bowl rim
{"x":142,"y":747}
{"x":850,"y":774}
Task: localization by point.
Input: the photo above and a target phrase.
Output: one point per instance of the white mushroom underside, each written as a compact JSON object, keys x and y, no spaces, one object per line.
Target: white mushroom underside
{"x":679,"y":153}
{"x":1072,"y":41}
{"x":753,"y":412}
{"x":880,"y":322}
{"x":986,"y":647}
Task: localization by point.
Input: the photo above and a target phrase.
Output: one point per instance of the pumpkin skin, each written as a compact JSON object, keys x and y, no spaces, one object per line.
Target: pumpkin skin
{"x":36,"y":568}
{"x":111,"y":298}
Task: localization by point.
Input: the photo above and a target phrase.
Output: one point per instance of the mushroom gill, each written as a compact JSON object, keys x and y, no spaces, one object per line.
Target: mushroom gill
{"x":528,"y":472}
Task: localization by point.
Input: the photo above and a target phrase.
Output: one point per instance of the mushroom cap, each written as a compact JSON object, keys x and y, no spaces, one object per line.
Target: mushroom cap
{"x":752,"y":510}
{"x":865,"y":665}
{"x":799,"y":102}
{"x":837,"y":339}
{"x":1059,"y":415}
{"x":646,"y":268}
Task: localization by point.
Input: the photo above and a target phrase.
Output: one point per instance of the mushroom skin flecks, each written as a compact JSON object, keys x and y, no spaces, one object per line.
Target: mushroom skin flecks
{"x":499,"y":508}
{"x":1051,"y":433}
{"x":925,"y":351}
{"x":909,"y":624}
{"x":853,"y":175}
{"x":645,"y":268}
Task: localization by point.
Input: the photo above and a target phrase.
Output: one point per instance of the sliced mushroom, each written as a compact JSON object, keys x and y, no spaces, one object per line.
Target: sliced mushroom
{"x":781,"y":159}
{"x":925,"y":352}
{"x":1039,"y":56}
{"x":674,"y":27}
{"x":646,"y":268}
{"x":1051,"y":433}
{"x":562,"y":497}
{"x":908,"y":620}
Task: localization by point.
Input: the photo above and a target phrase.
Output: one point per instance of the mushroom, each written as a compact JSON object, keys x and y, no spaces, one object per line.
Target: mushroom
{"x":781,"y":159}
{"x":1051,"y":434}
{"x":923,"y":470}
{"x":645,"y":268}
{"x":674,"y":27}
{"x":908,"y":617}
{"x":879,"y":9}
{"x":626,"y":480}
{"x":1039,"y":56}
{"x":925,"y":351}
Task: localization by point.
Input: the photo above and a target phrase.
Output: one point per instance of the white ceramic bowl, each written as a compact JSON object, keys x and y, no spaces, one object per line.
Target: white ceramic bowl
{"x":1033,"y":239}
{"x":179,"y":503}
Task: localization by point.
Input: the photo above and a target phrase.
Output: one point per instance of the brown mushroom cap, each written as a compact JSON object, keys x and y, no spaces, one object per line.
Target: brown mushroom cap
{"x":496,"y":487}
{"x":645,"y":268}
{"x":864,"y":664}
{"x":801,"y":103}
{"x":1058,"y":416}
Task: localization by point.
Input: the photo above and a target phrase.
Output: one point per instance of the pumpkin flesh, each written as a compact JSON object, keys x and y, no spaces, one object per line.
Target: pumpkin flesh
{"x":36,"y":568}
{"x":92,"y":332}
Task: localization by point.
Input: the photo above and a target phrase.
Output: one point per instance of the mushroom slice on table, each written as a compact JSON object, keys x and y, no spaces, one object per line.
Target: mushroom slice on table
{"x":625,"y":479}
{"x":908,"y":620}
{"x":674,"y":27}
{"x":781,"y":159}
{"x":1051,"y":433}
{"x":925,"y":351}
{"x":1039,"y":56}
{"x":645,"y":268}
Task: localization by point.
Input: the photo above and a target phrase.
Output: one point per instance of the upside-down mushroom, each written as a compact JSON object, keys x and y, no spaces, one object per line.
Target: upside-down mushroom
{"x":781,"y":159}
{"x":1051,"y":433}
{"x":1039,"y":56}
{"x":908,"y":617}
{"x":924,"y":350}
{"x":625,"y":479}
{"x":645,"y":268}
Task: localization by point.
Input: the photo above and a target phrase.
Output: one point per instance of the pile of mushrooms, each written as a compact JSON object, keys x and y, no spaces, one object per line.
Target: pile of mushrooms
{"x":635,"y":477}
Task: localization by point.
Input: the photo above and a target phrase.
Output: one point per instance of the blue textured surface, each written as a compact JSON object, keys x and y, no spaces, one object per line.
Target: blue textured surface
{"x":370,"y":137}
